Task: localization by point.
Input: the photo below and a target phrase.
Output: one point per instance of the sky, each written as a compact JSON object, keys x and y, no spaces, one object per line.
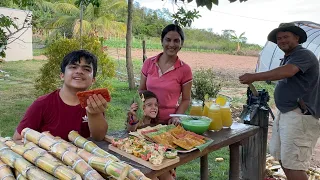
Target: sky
{"x":254,"y":17}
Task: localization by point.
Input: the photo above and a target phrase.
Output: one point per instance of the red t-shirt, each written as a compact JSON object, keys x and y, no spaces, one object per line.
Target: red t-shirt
{"x":50,"y":113}
{"x":168,"y":85}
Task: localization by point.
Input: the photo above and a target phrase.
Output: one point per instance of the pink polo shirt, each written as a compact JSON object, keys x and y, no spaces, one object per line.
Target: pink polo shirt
{"x":167,"y":86}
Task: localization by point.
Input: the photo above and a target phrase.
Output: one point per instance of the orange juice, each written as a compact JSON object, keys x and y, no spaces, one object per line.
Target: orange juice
{"x":215,"y":114}
{"x":206,"y":108}
{"x":196,"y":108}
{"x":226,"y":116}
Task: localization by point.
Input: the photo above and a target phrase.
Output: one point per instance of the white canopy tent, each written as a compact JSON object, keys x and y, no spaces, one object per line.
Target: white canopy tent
{"x":270,"y":55}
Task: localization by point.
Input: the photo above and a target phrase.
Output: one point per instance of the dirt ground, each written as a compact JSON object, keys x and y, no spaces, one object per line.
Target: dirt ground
{"x":229,"y":67}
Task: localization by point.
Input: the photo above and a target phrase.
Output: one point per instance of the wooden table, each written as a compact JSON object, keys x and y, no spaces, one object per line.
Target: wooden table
{"x":231,"y":137}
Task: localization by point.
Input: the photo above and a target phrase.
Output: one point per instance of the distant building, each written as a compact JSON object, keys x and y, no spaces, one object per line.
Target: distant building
{"x":20,"y":49}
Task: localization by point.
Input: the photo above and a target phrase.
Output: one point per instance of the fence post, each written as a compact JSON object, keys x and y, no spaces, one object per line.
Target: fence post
{"x":253,"y":153}
{"x":144,"y":56}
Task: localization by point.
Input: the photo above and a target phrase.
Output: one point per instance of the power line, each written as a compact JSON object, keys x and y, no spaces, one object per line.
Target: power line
{"x":245,"y":16}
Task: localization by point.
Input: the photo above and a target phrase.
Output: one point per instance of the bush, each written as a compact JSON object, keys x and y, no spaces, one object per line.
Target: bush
{"x":204,"y":82}
{"x":49,"y":79}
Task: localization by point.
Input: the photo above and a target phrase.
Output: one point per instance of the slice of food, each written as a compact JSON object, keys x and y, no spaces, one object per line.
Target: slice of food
{"x":184,"y":143}
{"x":171,"y":154}
{"x":84,"y":95}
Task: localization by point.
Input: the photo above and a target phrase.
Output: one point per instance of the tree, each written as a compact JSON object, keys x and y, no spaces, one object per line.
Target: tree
{"x":97,"y":21}
{"x":207,"y":3}
{"x":128,"y":46}
{"x":185,"y":18}
{"x":239,"y":39}
{"x":227,"y":33}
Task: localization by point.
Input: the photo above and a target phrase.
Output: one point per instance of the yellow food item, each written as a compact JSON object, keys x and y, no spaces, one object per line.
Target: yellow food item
{"x":219,"y":159}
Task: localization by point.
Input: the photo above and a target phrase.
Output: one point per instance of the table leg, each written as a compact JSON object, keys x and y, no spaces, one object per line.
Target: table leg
{"x":204,"y":169}
{"x":234,"y":161}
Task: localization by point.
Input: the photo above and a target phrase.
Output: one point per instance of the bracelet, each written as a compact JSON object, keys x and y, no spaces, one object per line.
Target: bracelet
{"x":131,"y":122}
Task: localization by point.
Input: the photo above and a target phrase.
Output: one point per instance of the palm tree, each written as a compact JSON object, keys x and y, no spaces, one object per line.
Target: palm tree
{"x":239,"y":39}
{"x":97,"y":21}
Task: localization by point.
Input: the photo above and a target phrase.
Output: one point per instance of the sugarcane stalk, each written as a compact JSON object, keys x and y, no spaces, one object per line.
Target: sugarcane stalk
{"x":39,"y":139}
{"x":68,"y":157}
{"x":7,"y":140}
{"x":24,"y":167}
{"x":42,"y":152}
{"x":89,"y":146}
{"x":65,"y":143}
{"x":5,"y":172}
{"x":18,"y":175}
{"x":105,"y":165}
{"x":136,"y":174}
{"x":57,"y":169}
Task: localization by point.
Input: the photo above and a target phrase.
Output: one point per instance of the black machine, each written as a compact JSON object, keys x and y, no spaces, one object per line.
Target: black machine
{"x":256,"y":104}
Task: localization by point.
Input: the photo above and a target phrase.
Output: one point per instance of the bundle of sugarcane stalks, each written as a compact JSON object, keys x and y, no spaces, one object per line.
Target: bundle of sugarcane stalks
{"x":43,"y":156}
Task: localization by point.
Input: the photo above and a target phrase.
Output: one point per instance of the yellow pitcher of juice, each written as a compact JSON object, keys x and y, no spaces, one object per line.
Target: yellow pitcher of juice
{"x":221,"y":100}
{"x":196,"y":108}
{"x":226,"y":115}
{"x":215,"y":114}
{"x":206,"y":107}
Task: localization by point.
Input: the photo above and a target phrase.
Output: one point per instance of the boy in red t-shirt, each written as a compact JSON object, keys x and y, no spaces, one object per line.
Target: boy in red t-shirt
{"x":60,"y":112}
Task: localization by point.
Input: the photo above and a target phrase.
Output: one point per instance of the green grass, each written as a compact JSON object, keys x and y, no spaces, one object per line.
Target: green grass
{"x":194,"y":46}
{"x":38,"y":52}
{"x":16,"y":94}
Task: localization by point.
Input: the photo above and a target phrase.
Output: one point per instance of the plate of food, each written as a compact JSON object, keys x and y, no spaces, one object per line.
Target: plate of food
{"x":175,"y":138}
{"x":152,"y":155}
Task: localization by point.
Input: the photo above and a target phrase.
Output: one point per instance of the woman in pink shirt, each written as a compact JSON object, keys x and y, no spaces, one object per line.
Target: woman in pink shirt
{"x":168,"y":77}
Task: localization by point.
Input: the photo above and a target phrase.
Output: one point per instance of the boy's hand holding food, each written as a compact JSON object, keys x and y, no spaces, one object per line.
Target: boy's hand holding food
{"x":96,"y":104}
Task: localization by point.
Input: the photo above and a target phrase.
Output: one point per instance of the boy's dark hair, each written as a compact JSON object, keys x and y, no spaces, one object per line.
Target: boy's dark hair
{"x":173,"y":27}
{"x":75,"y":56}
{"x":148,"y":94}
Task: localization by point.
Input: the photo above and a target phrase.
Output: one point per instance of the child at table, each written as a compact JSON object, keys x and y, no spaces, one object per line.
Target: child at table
{"x":150,"y":113}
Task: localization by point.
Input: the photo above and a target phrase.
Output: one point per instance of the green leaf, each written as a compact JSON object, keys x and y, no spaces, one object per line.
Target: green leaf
{"x":216,"y":2}
{"x":209,"y":4}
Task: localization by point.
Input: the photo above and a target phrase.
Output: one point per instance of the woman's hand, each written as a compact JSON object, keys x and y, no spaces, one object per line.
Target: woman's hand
{"x":175,"y":121}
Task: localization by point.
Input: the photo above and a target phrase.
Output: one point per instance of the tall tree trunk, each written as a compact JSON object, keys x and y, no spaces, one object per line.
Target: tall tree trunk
{"x":128,"y":46}
{"x":238,"y":48}
{"x":81,"y":18}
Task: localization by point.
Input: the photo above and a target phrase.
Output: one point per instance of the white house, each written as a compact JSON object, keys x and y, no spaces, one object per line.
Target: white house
{"x":21,"y":48}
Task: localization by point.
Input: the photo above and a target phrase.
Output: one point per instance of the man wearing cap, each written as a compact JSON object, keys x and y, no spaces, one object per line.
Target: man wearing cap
{"x":297,"y":96}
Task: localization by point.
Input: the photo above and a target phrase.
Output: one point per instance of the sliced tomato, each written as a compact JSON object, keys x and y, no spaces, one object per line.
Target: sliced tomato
{"x":146,"y":157}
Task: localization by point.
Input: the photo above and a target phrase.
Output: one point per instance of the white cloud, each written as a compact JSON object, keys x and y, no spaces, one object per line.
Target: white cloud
{"x":255,"y":17}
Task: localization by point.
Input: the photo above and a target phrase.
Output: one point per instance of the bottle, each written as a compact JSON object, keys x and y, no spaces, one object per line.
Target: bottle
{"x":226,"y":115}
{"x":196,"y":108}
{"x":215,"y":114}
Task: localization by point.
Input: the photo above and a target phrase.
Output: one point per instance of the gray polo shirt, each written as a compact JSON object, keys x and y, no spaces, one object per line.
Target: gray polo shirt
{"x":304,"y":84}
